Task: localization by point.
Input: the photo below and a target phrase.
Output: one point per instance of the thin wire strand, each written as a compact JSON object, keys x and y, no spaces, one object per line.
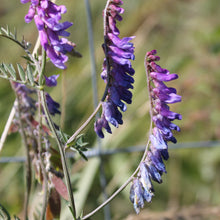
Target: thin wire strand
{"x":133,"y":149}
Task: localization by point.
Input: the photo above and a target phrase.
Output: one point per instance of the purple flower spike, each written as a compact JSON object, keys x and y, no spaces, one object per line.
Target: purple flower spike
{"x":117,"y":71}
{"x":47,"y":15}
{"x":160,"y":96}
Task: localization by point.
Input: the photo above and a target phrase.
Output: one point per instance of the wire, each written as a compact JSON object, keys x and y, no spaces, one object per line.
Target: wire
{"x":133,"y":149}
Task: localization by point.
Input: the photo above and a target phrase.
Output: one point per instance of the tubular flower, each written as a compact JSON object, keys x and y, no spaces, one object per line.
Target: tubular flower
{"x":47,"y":15}
{"x":153,"y":166}
{"x":52,"y":105}
{"x":117,"y":70}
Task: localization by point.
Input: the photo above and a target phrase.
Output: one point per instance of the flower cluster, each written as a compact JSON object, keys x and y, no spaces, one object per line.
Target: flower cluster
{"x":153,"y":167}
{"x":47,"y":16}
{"x":117,"y":70}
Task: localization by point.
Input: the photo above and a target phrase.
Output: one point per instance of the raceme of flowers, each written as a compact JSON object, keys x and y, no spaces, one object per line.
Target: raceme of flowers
{"x":47,"y":16}
{"x":117,"y":70}
{"x":153,"y":167}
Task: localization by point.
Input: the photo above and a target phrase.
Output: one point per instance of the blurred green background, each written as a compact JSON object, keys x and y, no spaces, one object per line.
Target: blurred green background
{"x":186,"y":34}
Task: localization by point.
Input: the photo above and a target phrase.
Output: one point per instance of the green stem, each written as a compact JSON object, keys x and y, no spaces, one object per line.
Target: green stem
{"x":40,"y":153}
{"x":43,"y":65}
{"x":12,"y":39}
{"x":73,"y":137}
{"x":62,"y":154}
{"x":122,"y":187}
{"x":108,"y":67}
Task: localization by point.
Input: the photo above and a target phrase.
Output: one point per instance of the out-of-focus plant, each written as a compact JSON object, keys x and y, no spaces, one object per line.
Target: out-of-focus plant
{"x":34,"y":107}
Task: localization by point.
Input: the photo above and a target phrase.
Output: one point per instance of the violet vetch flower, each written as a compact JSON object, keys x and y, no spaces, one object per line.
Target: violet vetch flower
{"x":47,"y":15}
{"x":117,"y":70}
{"x":53,"y":106}
{"x":137,"y":195}
{"x":51,"y":81}
{"x":153,"y":166}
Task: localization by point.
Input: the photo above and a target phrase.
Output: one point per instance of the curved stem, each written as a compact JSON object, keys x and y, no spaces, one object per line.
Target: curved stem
{"x":73,"y":137}
{"x":148,"y":86}
{"x":123,"y":186}
{"x":106,"y":51}
{"x":12,"y":39}
{"x":62,"y":154}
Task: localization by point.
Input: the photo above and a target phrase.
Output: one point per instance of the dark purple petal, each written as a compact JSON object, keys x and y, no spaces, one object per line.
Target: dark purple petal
{"x":155,"y":158}
{"x":53,"y":106}
{"x":30,"y":15}
{"x":163,"y":77}
{"x":51,"y":80}
{"x":154,"y":173}
{"x":115,"y":97}
{"x":169,"y":98}
{"x":121,"y":53}
{"x":102,"y":123}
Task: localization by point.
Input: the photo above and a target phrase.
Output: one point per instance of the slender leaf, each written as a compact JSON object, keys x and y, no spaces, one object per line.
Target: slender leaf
{"x":60,"y":187}
{"x":30,"y":75}
{"x":4,"y":31}
{"x":10,"y":69}
{"x":4,"y":215}
{"x":2,"y":69}
{"x":21,"y":72}
{"x":15,"y":34}
{"x":27,"y":58}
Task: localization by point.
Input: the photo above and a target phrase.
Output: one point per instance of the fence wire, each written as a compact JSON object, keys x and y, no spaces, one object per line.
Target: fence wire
{"x":97,"y":153}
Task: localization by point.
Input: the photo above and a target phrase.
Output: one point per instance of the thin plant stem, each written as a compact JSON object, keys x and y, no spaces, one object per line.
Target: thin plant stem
{"x":7,"y":127}
{"x":102,"y":178}
{"x":83,"y":126}
{"x":62,"y":153}
{"x":92,"y":53}
{"x":122,"y":187}
{"x":41,"y":73}
{"x":148,"y":86}
{"x":63,"y":100}
{"x":105,"y":24}
{"x":40,"y":154}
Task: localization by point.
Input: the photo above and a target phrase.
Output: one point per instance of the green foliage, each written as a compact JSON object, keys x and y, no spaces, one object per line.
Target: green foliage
{"x":7,"y":71}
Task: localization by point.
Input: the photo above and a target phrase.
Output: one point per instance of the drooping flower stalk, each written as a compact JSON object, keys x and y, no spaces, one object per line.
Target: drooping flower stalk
{"x":47,"y":16}
{"x":153,"y":166}
{"x":117,"y":70}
